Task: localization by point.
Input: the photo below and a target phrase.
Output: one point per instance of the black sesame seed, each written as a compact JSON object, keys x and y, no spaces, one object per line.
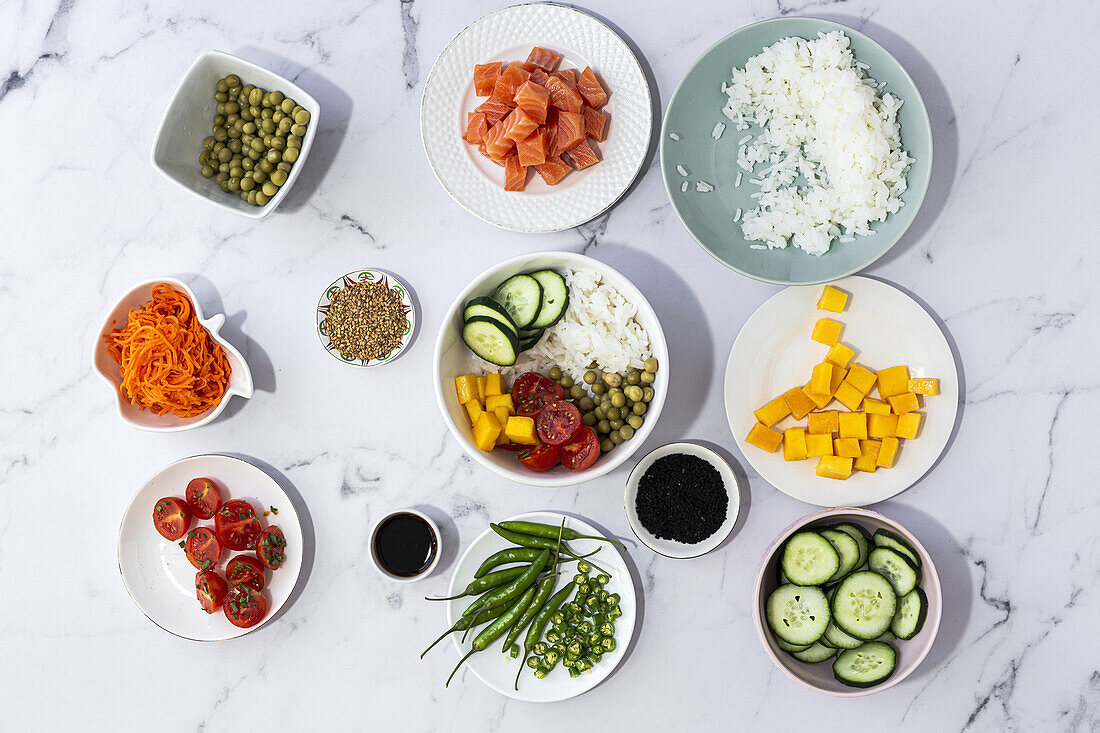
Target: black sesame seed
{"x":682,"y":498}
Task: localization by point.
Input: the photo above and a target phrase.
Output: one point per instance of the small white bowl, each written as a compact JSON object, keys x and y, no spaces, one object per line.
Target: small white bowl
{"x":431,"y":566}
{"x":367,"y":275}
{"x":190,"y":117}
{"x":819,"y":677}
{"x":672,"y":548}
{"x":240,"y":378}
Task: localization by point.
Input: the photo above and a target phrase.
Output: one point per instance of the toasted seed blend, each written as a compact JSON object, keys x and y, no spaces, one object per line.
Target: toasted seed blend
{"x":682,"y":498}
{"x":366,"y":320}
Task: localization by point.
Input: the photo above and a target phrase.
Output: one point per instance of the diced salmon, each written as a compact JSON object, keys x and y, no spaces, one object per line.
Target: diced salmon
{"x":595,"y":123}
{"x":485,"y":76}
{"x":591,"y":89}
{"x":562,"y":95}
{"x":515,"y":174}
{"x":538,"y":76}
{"x":570,"y":131}
{"x":494,"y":110}
{"x":583,"y":155}
{"x":518,"y":125}
{"x":533,"y":99}
{"x":476,"y":128}
{"x":497,"y":145}
{"x":481,"y":149}
{"x":544,"y":58}
{"x":553,"y":170}
{"x":567,"y":75}
{"x":511,"y":79}
{"x":551,"y":128}
{"x":532,"y":149}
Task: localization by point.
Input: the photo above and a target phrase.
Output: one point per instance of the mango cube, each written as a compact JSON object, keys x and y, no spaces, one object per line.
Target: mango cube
{"x":876,"y":407}
{"x":848,"y":396}
{"x":821,"y":380}
{"x":839,"y":373}
{"x":819,"y":445}
{"x":908,"y":425}
{"x":473,"y":410}
{"x":929,"y":386}
{"x":846,"y":447}
{"x":496,"y":402}
{"x":824,"y":422}
{"x":827,"y":331}
{"x":853,"y":425}
{"x":834,"y":467}
{"x":502,"y":418}
{"x":903,"y":403}
{"x":773,"y":412}
{"x":794,"y":444}
{"x":494,"y":384}
{"x":882,"y":426}
{"x":764,"y":437}
{"x":888,"y":453}
{"x":861,"y":378}
{"x":868,"y":456}
{"x":521,"y":430}
{"x":840,"y":355}
{"x":832,"y":299}
{"x":819,"y":400}
{"x":481,"y":389}
{"x":486,"y":430}
{"x":466,"y":388}
{"x":893,"y":381}
{"x":798,"y":402}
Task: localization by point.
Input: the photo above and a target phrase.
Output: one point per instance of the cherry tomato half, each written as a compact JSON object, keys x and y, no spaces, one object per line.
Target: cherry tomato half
{"x":203,"y":497}
{"x":202,"y":548}
{"x":541,"y":457}
{"x":245,"y":570}
{"x":237,"y":525}
{"x":525,"y":385}
{"x":558,"y":423}
{"x":582,"y":451}
{"x":244,"y":607}
{"x":533,"y":405}
{"x":271,"y":549}
{"x":210,"y":589}
{"x":171,"y":517}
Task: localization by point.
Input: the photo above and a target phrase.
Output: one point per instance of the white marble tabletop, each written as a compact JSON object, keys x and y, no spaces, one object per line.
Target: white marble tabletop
{"x":1003,"y":251}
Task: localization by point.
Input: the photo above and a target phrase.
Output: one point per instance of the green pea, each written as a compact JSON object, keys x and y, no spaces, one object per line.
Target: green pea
{"x":555,"y":373}
{"x":566,"y":382}
{"x":635,"y":421}
{"x":232,"y":108}
{"x":285,"y":125}
{"x":273,"y":156}
{"x":651,"y":365}
{"x":232,"y":80}
{"x":302,"y":117}
{"x":590,"y":377}
{"x":277,"y":116}
{"x":261,"y":198}
{"x":611,"y":379}
{"x":246,"y":114}
{"x":254,"y":154}
{"x":627,"y":432}
{"x":293,"y":141}
{"x":298,"y":130}
{"x":278,"y":177}
{"x":221,"y":86}
{"x":207,"y":171}
{"x":223,"y":168}
{"x":600,"y":413}
{"x":220,"y":134}
{"x":603,"y":427}
{"x":265,"y":165}
{"x":618,"y":400}
{"x":633,"y":377}
{"x":236,"y":146}
{"x":633,"y":393}
{"x":588,"y":419}
{"x":278,"y":143}
{"x":288,"y":105}
{"x":236,"y":172}
{"x":648,"y":377}
{"x":255,"y":97}
{"x":259,"y":175}
{"x":268,"y":126}
{"x":256,"y":111}
{"x":616,"y":438}
{"x":606,"y":445}
{"x":297,"y":109}
{"x":271,"y":189}
{"x":640,"y":408}
{"x":247,"y":184}
{"x":647,"y":394}
{"x":265,"y":113}
{"x":234,"y":183}
{"x":221,"y":177}
{"x":615,"y":425}
{"x":577,"y":392}
{"x":222,"y":96}
{"x":225,"y":155}
{"x":599,"y":389}
{"x":248,"y":164}
{"x":283,"y":166}
{"x":252,"y":197}
{"x":276,"y":98}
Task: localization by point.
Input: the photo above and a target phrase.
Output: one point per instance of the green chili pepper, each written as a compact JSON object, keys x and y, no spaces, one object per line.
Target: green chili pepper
{"x":517,"y":554}
{"x":549,"y":531}
{"x":464,"y":623}
{"x":540,"y":621}
{"x":480,"y":585}
{"x":514,"y":589}
{"x":493,"y":631}
{"x":545,"y":589}
{"x":526,"y":540}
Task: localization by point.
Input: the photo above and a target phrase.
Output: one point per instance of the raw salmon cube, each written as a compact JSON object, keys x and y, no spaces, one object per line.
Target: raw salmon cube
{"x":538,"y":76}
{"x":591,"y":89}
{"x":570,"y":130}
{"x":595,"y":123}
{"x":583,"y":155}
{"x":494,"y":110}
{"x":511,"y":79}
{"x":515,"y":174}
{"x":562,"y":95}
{"x":518,"y":125}
{"x":553,"y":170}
{"x":497,"y":145}
{"x":533,"y":99}
{"x":532,"y":150}
{"x":544,"y":58}
{"x":569,"y":76}
{"x":476,"y":128}
{"x":481,"y":149}
{"x":485,"y":76}
{"x":551,"y":128}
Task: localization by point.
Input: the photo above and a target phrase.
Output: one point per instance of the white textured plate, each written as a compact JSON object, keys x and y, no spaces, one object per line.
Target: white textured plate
{"x":508,"y":35}
{"x":158,"y":575}
{"x":498,"y":670}
{"x":886,"y":328}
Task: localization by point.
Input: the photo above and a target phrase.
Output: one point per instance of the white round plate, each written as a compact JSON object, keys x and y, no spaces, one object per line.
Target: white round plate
{"x":157,"y":574}
{"x":498,"y":670}
{"x":886,"y":328}
{"x":672,"y":548}
{"x":508,"y":35}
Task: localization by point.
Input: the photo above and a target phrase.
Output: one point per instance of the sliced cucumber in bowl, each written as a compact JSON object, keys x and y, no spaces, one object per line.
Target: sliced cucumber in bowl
{"x":896,"y":568}
{"x":490,"y":340}
{"x":555,"y":298}
{"x":910,"y":616}
{"x":867,"y":665}
{"x":809,"y":559}
{"x":489,"y":308}
{"x":521,"y":297}
{"x":864,"y":605}
{"x":798,"y":615}
{"x":818,"y":652}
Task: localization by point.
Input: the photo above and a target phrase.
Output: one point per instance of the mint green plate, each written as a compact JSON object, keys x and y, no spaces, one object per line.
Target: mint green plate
{"x":697,"y":106}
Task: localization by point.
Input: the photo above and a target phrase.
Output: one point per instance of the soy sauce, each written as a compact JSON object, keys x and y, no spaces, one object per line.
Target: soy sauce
{"x":405,"y":545}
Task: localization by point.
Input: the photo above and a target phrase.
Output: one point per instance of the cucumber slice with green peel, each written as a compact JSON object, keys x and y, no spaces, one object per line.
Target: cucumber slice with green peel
{"x":521,"y":296}
{"x":791,"y":647}
{"x":816,"y":653}
{"x":867,"y":665}
{"x":835,"y":636}
{"x":493,"y":342}
{"x":864,"y":605}
{"x":886,"y":538}
{"x":555,"y":298}
{"x":809,"y":559}
{"x":797,"y":614}
{"x":489,"y":308}
{"x":846,"y":547}
{"x":528,"y":339}
{"x":909,"y":619}
{"x":893,"y":566}
{"x":862,"y":539}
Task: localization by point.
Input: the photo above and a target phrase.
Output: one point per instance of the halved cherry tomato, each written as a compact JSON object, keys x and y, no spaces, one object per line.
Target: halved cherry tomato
{"x":237,"y":525}
{"x":582,"y":451}
{"x":541,"y":457}
{"x":210,"y":589}
{"x":171,"y":517}
{"x":558,"y":423}
{"x":244,"y":607}
{"x":203,"y":497}
{"x":271,"y":549}
{"x":245,"y":570}
{"x":548,"y":386}
{"x":533,"y":405}
{"x":202,"y":548}
{"x":525,"y":386}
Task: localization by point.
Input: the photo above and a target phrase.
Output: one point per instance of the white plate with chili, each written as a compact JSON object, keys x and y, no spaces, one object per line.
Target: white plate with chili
{"x":157,"y":572}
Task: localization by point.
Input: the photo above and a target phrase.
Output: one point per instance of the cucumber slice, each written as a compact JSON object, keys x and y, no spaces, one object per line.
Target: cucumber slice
{"x":862,"y":539}
{"x":894,"y":567}
{"x":835,"y":636}
{"x":909,"y":619}
{"x":864,"y":605}
{"x":491,"y":341}
{"x":521,"y":296}
{"x":866,"y":666}
{"x":555,"y":298}
{"x":791,"y":647}
{"x":796,"y":614}
{"x":846,"y":547}
{"x":529,"y":342}
{"x":816,"y":653}
{"x":489,"y":308}
{"x":886,"y":538}
{"x":809,"y":559}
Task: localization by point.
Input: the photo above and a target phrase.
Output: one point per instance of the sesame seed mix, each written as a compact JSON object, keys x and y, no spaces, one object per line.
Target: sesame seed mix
{"x":366,"y":320}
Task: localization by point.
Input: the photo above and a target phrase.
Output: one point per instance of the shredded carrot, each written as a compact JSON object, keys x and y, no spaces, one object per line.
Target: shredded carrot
{"x":167,"y":359}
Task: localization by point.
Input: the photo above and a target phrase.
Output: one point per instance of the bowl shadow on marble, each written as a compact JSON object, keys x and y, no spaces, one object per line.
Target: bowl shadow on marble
{"x":743,"y":484}
{"x":941,"y":115}
{"x":449,"y":539}
{"x":336,"y":107}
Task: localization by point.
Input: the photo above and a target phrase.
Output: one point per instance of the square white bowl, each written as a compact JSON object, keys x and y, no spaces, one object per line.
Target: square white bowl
{"x":190,"y":116}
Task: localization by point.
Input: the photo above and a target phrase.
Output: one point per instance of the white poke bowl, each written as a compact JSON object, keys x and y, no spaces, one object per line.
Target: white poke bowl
{"x":453,"y":358}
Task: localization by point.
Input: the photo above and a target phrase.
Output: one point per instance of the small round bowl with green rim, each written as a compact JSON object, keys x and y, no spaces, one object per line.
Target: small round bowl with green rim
{"x":390,"y":281}
{"x":687,"y":141}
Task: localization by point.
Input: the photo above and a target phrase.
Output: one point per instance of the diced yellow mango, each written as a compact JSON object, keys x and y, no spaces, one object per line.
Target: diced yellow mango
{"x":876,"y":407}
{"x":893,"y":381}
{"x":496,"y":402}
{"x":904,"y":402}
{"x":502,"y":418}
{"x":840,"y":355}
{"x":868,"y":456}
{"x":486,"y":431}
{"x":834,"y":467}
{"x":928,"y":386}
{"x":832,"y":299}
{"x":521,"y":430}
{"x":481,"y":389}
{"x":819,"y":445}
{"x":764,"y":437}
{"x":848,"y":396}
{"x":839,"y":373}
{"x":473,"y":410}
{"x":466,"y":388}
{"x":853,"y":425}
{"x":908,"y":425}
{"x":827,"y":331}
{"x":794,"y":444}
{"x":846,"y":447}
{"x":798,"y":403}
{"x":888,"y":453}
{"x":820,"y":400}
{"x":861,"y":378}
{"x":494,"y":384}
{"x":773,"y":412}
{"x":824,"y":422}
{"x":821,"y":380}
{"x":882,"y":426}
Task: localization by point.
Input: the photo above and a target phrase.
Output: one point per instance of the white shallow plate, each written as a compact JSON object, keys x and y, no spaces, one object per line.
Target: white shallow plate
{"x":156,"y":572}
{"x":508,"y":35}
{"x":886,"y":328}
{"x":498,"y":670}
